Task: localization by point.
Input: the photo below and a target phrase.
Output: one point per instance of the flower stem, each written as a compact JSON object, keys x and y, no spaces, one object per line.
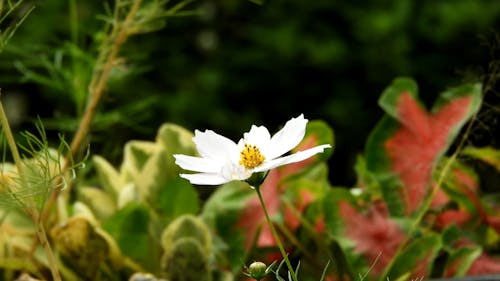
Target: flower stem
{"x":276,"y":237}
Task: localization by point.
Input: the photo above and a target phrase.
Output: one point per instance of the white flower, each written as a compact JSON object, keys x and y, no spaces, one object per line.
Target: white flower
{"x":222,"y":160}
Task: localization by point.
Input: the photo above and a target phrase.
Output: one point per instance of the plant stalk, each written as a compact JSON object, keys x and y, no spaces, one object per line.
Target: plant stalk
{"x":10,"y":140}
{"x":99,"y":82}
{"x":275,"y":235}
{"x":97,"y":88}
{"x":40,"y":229}
{"x":42,"y":237}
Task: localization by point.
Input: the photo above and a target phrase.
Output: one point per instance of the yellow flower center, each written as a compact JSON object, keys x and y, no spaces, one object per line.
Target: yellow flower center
{"x":250,"y":156}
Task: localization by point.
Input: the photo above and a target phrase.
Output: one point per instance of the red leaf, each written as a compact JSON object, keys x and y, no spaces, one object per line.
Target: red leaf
{"x":467,"y":185}
{"x":414,"y":149}
{"x":376,"y":237}
{"x":482,"y":265}
{"x":404,"y":148}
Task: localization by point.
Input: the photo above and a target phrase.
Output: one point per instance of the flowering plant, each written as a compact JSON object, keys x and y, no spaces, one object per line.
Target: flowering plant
{"x":223,"y":160}
{"x":418,"y":209}
{"x":415,"y":211}
{"x":250,"y":160}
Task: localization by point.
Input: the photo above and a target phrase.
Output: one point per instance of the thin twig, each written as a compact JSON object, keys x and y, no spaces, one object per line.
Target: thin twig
{"x":96,"y":92}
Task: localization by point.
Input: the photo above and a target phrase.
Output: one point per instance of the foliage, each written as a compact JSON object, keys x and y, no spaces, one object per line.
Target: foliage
{"x":142,"y":218}
{"x":325,"y":59}
{"x":417,"y":209}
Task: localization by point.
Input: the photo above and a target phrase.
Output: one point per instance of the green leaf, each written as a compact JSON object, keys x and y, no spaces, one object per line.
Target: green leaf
{"x":331,"y":211}
{"x":452,"y":94}
{"x":461,"y":259}
{"x":315,"y":188}
{"x":418,"y":256}
{"x":129,"y":227}
{"x":228,"y":199}
{"x":160,"y":185}
{"x":187,"y":226}
{"x":101,"y":203}
{"x":366,"y":179}
{"x":176,"y":139}
{"x":109,"y":177}
{"x":177,"y":197}
{"x":389,"y":99}
{"x":486,"y":154}
{"x":313,"y":172}
{"x":450,"y":235}
{"x":317,"y":133}
{"x":461,"y":185}
{"x":155,"y":173}
{"x":136,"y":154}
{"x":458,"y":260}
{"x":342,"y":264}
{"x":379,"y":166}
{"x":222,"y":211}
{"x":129,"y":193}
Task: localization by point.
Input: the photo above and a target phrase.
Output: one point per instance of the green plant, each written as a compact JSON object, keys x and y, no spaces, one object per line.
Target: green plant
{"x":187,"y":246}
{"x":37,"y":181}
{"x":417,"y":209}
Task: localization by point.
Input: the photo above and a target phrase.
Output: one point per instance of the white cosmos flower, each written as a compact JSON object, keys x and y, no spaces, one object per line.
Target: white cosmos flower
{"x":222,"y":160}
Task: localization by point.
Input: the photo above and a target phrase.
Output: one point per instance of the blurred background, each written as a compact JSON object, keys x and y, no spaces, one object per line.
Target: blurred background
{"x":229,"y":64}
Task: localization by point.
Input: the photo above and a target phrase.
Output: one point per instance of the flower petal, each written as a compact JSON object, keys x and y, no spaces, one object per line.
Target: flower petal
{"x":197,"y":164}
{"x":212,"y":145}
{"x":232,"y":171}
{"x":205,"y":178}
{"x":296,"y":157}
{"x":258,"y":136}
{"x":287,"y":138}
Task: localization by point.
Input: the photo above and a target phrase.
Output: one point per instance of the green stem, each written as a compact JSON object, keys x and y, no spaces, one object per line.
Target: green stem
{"x":10,"y":140}
{"x":275,"y":235}
{"x":42,"y":237}
{"x":13,"y":149}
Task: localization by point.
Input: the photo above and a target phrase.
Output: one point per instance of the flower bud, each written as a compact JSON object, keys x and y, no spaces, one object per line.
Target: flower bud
{"x":257,"y":270}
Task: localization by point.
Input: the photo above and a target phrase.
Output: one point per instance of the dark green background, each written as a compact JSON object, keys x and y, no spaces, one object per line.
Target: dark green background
{"x":239,"y":63}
